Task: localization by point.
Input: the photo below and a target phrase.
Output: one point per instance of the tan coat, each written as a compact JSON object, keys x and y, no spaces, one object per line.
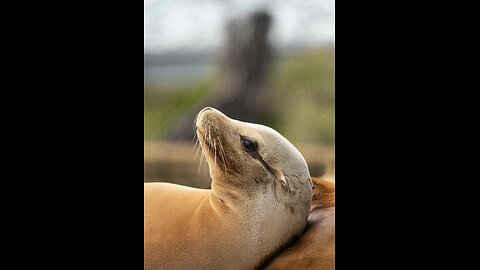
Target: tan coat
{"x":316,"y":247}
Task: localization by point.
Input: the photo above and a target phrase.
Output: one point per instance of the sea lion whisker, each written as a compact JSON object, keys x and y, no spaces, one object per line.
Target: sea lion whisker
{"x":194,"y":125}
{"x":220,"y":147}
{"x":225,"y":157}
{"x":210,"y":141}
{"x":198,"y":149}
{"x":222,"y":153}
{"x":201,"y":159}
{"x":194,"y":133}
{"x":215,"y":151}
{"x":202,"y":165}
{"x":196,"y":142}
{"x":224,"y":162}
{"x":209,"y":136}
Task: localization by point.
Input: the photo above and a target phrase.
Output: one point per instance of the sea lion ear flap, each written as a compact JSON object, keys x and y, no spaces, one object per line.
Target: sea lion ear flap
{"x":280,"y":176}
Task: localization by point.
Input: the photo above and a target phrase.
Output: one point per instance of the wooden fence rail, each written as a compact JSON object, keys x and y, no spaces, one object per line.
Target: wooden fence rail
{"x":176,"y":163}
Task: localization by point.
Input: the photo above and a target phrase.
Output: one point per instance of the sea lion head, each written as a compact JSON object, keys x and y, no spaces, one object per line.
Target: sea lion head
{"x":250,"y":157}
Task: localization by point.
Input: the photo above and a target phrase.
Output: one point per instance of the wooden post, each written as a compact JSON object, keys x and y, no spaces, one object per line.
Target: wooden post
{"x":240,"y":90}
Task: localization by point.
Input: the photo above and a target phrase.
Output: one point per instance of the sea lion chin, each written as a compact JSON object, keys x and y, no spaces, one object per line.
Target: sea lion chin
{"x":259,"y":201}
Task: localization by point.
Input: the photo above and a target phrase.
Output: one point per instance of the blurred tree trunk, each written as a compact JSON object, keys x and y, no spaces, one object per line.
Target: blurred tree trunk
{"x":240,"y":92}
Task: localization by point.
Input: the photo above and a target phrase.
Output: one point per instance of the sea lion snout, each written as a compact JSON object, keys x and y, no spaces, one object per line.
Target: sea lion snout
{"x":209,"y":116}
{"x":205,"y":109}
{"x":210,"y":110}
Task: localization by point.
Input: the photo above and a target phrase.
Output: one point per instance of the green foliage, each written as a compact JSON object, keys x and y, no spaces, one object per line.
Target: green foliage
{"x":302,"y":85}
{"x":305,"y":86}
{"x":163,"y":107}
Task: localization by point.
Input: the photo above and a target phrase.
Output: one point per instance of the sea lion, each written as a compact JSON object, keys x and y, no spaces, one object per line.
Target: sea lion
{"x":316,"y":247}
{"x":259,"y":201}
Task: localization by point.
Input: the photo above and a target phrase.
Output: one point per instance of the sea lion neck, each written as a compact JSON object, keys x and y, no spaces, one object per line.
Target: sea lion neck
{"x":232,"y":194}
{"x":225,"y":193}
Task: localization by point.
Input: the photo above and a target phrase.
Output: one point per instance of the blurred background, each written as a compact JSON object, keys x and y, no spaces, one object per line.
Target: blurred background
{"x":268,"y":62}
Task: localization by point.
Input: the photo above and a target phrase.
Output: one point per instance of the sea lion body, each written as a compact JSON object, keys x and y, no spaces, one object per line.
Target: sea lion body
{"x":315,"y":249}
{"x":258,"y":202}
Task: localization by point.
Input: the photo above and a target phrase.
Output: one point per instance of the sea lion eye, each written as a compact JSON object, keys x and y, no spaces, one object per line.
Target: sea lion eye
{"x":248,"y":145}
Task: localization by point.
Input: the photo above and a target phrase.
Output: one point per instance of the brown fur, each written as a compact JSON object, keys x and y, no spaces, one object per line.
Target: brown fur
{"x":258,"y":202}
{"x":315,"y":249}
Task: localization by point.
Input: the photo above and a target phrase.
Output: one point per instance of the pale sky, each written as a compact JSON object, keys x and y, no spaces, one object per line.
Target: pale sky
{"x":176,"y":25}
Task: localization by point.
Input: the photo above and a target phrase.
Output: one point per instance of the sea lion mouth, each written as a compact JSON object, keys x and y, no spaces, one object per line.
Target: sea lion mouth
{"x":211,"y":143}
{"x":205,"y":142}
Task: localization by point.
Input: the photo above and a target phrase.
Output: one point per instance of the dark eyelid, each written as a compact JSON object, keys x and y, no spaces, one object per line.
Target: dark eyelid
{"x":256,"y":155}
{"x":243,"y":138}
